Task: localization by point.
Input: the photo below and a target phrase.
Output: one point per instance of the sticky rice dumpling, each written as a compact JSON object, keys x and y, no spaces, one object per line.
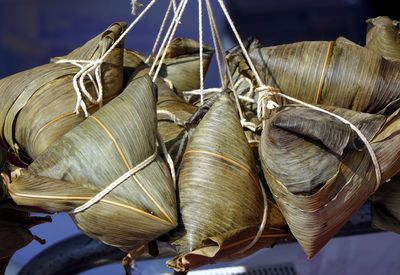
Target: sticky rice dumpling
{"x":332,"y":73}
{"x":383,"y":37}
{"x":118,"y":138}
{"x":37,"y":106}
{"x":319,"y":171}
{"x":222,"y":203}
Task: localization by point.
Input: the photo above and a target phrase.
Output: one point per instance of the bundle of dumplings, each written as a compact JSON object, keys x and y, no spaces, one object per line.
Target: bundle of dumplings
{"x":296,"y":173}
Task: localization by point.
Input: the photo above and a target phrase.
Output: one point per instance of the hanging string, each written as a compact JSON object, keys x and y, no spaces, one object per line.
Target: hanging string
{"x":201,"y":51}
{"x":88,"y":66}
{"x":164,"y":22}
{"x":167,"y":40}
{"x":162,"y":52}
{"x":238,"y":38}
{"x":135,"y":5}
{"x":214,"y":33}
{"x":174,"y":5}
{"x":219,"y":48}
{"x":166,"y":37}
{"x":215,"y":90}
{"x":269,"y":92}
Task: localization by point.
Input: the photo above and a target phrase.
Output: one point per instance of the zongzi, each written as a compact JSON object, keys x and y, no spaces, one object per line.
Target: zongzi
{"x":383,"y":37}
{"x":225,"y":214}
{"x":141,"y":203}
{"x":318,"y":170}
{"x":37,"y":106}
{"x":332,"y":73}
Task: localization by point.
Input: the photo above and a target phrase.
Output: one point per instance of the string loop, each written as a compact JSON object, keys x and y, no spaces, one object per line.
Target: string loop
{"x":88,"y":66}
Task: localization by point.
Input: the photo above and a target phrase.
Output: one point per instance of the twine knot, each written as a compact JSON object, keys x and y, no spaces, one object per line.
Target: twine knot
{"x":265,"y":101}
{"x":78,"y":82}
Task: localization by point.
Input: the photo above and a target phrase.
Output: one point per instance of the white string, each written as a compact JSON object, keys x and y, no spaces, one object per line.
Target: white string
{"x":201,"y":51}
{"x":115,"y":184}
{"x":171,"y":116}
{"x":216,"y":40}
{"x":215,"y":90}
{"x":167,"y":40}
{"x":238,"y":38}
{"x":205,"y":91}
{"x":245,"y":124}
{"x":90,"y":77}
{"x":264,"y":102}
{"x":262,"y":225}
{"x":166,"y":37}
{"x":247,"y":99}
{"x":135,"y":5}
{"x":164,"y":22}
{"x":251,"y":87}
{"x":218,"y":46}
{"x":87,"y":66}
{"x":272,"y":104}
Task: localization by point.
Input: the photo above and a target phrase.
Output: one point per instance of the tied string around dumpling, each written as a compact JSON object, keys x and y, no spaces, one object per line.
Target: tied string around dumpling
{"x":265,"y":102}
{"x":87,"y":67}
{"x":267,"y":92}
{"x":116,"y":183}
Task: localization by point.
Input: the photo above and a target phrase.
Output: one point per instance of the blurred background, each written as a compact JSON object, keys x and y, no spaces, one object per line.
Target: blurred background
{"x":33,"y":31}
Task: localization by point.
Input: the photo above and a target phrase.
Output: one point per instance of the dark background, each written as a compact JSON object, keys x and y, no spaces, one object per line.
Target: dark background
{"x":287,"y":21}
{"x":33,"y":31}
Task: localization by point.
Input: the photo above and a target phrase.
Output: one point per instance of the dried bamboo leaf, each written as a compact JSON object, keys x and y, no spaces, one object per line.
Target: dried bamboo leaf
{"x":312,"y":169}
{"x":37,"y":106}
{"x":93,"y":155}
{"x":172,"y":114}
{"x":182,"y":63}
{"x":386,"y":146}
{"x":383,"y":37}
{"x":132,"y":61}
{"x":220,"y":196}
{"x":317,"y":188}
{"x":386,"y":201}
{"x":335,"y":73}
{"x":386,"y":206}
